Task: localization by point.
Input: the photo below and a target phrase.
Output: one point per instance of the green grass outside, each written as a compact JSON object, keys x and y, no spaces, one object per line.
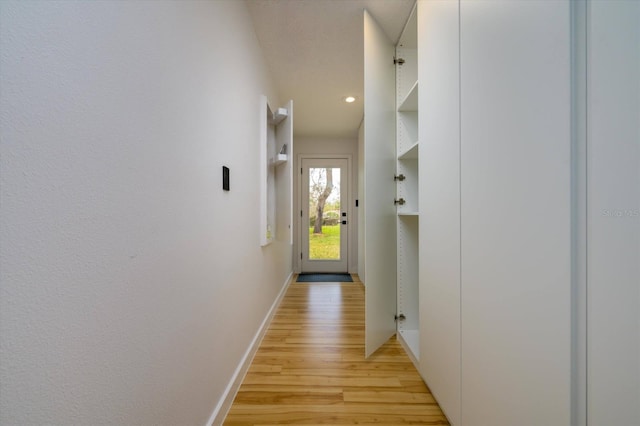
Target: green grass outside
{"x":325,"y":245}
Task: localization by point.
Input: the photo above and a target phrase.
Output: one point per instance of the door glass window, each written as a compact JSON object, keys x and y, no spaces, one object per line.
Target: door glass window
{"x":324,"y":213}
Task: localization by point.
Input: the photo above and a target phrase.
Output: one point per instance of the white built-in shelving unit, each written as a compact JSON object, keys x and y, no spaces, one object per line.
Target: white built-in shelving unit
{"x":481,"y":270}
{"x":276,"y":141}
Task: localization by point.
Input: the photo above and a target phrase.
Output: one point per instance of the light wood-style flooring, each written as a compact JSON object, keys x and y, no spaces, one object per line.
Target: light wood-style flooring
{"x":310,"y":368}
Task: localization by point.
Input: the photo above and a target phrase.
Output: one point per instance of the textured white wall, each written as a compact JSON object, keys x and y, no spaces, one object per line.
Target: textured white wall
{"x":328,"y":146}
{"x":131,"y":284}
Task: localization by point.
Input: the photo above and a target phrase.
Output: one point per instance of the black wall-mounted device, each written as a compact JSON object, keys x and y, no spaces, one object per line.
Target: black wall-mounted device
{"x":225,"y":178}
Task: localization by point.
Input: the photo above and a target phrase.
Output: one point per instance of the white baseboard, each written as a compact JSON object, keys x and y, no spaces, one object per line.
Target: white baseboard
{"x":224,"y":405}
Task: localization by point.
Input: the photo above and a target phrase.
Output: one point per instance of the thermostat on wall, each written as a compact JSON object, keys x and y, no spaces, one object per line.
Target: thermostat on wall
{"x":225,"y":178}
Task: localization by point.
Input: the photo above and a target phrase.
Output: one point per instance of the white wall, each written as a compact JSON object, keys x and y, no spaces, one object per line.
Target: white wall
{"x":132,"y":285}
{"x":327,"y":146}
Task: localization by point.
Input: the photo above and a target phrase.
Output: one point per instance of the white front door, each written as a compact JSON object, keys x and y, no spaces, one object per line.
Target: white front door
{"x":325,"y":215}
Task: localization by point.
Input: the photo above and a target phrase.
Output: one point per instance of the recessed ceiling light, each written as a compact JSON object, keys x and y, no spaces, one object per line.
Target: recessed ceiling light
{"x":349,"y":99}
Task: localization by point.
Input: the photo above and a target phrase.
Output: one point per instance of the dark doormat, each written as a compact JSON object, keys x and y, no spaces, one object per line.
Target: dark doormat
{"x":319,"y":278}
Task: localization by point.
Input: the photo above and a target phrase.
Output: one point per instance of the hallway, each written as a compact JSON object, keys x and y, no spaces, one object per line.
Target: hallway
{"x":310,"y":367}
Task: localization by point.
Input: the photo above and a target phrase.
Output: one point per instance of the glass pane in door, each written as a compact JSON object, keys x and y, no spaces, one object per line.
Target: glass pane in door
{"x":324,"y":213}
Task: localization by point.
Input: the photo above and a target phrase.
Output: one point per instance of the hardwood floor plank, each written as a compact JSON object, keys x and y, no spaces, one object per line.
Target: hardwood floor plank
{"x":339,"y":370}
{"x":286,"y":389}
{"x":265,"y":368}
{"x":261,"y":379}
{"x":310,"y":368}
{"x":386,"y":397}
{"x":301,"y":397}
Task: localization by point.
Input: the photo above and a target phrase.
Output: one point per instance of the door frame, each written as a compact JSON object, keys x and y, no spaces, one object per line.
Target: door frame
{"x":351,"y":239}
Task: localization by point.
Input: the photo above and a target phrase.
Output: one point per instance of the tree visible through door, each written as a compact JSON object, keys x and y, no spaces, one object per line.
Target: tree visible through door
{"x":324,"y":213}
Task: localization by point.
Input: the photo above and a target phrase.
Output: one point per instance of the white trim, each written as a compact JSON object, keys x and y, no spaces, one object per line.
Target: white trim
{"x":224,"y":404}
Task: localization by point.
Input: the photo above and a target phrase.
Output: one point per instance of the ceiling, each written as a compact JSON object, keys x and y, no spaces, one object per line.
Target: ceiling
{"x":315,"y":51}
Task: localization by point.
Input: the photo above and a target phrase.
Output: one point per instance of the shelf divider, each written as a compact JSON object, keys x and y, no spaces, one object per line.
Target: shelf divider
{"x":410,"y":153}
{"x":410,"y":102}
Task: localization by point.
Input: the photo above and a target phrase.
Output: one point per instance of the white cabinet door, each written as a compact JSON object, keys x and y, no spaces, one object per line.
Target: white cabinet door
{"x":379,"y":187}
{"x":613,"y":212}
{"x":439,"y":121}
{"x":516,"y":212}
